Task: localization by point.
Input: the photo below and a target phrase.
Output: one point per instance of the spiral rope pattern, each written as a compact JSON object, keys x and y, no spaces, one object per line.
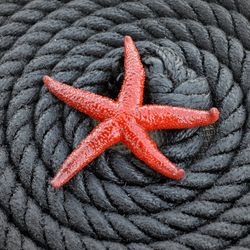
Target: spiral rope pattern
{"x":196,"y":54}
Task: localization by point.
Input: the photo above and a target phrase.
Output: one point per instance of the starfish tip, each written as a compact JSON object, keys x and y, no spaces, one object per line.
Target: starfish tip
{"x":179,"y":175}
{"x":215,"y":113}
{"x":47,"y":80}
{"x":55,"y":184}
{"x":128,"y":39}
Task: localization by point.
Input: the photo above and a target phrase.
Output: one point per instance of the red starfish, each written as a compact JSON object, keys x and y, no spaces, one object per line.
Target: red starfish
{"x":125,"y":120}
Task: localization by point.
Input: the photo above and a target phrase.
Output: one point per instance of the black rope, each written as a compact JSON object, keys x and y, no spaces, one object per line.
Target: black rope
{"x":196,"y":54}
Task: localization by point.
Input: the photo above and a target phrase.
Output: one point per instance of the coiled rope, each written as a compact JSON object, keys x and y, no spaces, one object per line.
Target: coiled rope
{"x":196,"y":54}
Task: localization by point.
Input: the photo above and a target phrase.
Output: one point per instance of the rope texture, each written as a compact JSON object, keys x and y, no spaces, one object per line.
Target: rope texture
{"x":196,"y":54}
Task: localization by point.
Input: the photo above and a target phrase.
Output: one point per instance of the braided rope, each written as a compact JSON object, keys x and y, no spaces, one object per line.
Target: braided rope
{"x":196,"y":54}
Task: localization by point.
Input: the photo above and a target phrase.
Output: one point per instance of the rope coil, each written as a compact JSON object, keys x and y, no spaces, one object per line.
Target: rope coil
{"x":196,"y":54}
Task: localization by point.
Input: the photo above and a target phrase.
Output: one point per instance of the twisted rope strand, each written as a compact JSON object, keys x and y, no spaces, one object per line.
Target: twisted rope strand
{"x":195,"y":58}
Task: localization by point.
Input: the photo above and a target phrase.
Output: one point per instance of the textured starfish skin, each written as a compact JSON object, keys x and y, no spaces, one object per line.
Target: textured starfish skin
{"x":125,"y":120}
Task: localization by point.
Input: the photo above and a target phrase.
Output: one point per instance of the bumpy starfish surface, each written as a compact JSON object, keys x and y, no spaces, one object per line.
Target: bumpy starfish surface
{"x":125,"y":120}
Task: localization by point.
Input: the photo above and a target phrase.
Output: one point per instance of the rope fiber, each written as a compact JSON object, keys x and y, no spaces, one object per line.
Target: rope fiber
{"x":196,"y":54}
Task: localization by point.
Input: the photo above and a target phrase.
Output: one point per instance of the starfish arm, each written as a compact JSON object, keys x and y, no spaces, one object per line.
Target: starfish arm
{"x":103,"y":136}
{"x":132,"y":89}
{"x":139,"y":142}
{"x":96,"y":106}
{"x":168,"y":117}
